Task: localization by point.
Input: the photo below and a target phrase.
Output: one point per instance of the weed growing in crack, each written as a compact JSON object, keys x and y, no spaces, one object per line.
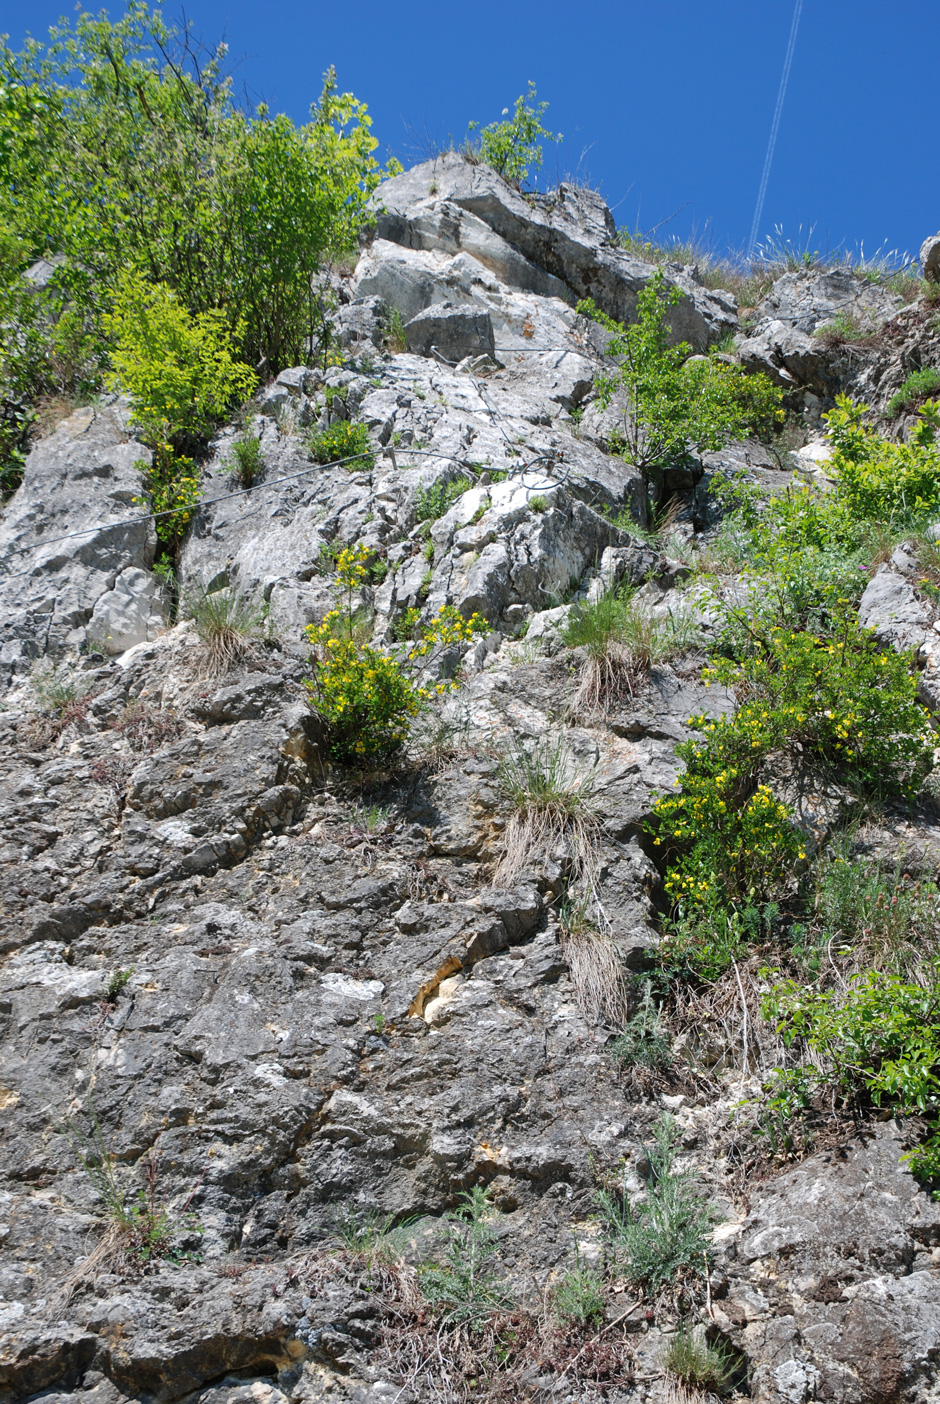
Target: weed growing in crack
{"x":553,"y":810}
{"x":464,"y":1288}
{"x":698,"y":1363}
{"x":142,"y":1227}
{"x":596,"y":969}
{"x":661,"y":1243}
{"x":623,"y":638}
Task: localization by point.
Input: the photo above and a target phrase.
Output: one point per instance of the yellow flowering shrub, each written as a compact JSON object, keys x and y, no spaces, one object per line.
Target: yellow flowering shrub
{"x":365,"y":695}
{"x":172,"y":491}
{"x":841,"y":705}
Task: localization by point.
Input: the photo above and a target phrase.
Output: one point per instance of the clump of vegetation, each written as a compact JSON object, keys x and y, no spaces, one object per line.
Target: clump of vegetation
{"x":623,"y":637}
{"x":878,"y":1040}
{"x":228,"y":623}
{"x":551,"y":798}
{"x":661,"y":1243}
{"x":215,"y":216}
{"x":368,"y":696}
{"x":142,"y":1227}
{"x":145,"y":727}
{"x":61,"y":698}
{"x":841,"y":704}
{"x":513,"y":146}
{"x":672,"y":404}
{"x":344,"y":442}
{"x":396,"y":338}
{"x":464,"y":1288}
{"x":645,"y":1041}
{"x":246,"y":460}
{"x":918,"y":386}
{"x":433,"y":501}
{"x":699,"y":1363}
{"x":846,"y":329}
{"x":578,"y":1296}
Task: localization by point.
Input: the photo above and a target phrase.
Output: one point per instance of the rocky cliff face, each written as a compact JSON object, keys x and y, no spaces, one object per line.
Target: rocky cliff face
{"x":289,"y":1000}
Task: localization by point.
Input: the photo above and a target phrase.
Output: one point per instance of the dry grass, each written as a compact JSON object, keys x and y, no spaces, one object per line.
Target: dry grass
{"x":553,"y":816}
{"x":229,"y":626}
{"x":598,"y":975}
{"x":623,"y":638}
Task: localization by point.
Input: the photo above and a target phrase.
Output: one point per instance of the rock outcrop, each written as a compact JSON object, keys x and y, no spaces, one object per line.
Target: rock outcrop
{"x":289,"y":1000}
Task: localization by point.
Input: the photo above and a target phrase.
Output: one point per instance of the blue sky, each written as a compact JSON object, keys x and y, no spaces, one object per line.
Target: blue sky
{"x":665,"y":105}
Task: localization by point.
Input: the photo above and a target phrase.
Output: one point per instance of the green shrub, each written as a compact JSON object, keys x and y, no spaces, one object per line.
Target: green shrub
{"x":879,"y":1038}
{"x":845,"y":329}
{"x":179,"y":370}
{"x":674,"y":405}
{"x":433,"y":501}
{"x":235,"y":210}
{"x":344,"y":442}
{"x":246,"y":460}
{"x":366,"y":696}
{"x":663,"y":1240}
{"x":511,"y":147}
{"x":172,"y":487}
{"x":698,"y":1363}
{"x":918,"y":385}
{"x":881,"y":481}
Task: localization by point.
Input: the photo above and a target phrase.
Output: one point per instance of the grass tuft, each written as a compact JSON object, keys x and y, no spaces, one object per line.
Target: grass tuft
{"x":623,"y":638}
{"x":227,"y":623}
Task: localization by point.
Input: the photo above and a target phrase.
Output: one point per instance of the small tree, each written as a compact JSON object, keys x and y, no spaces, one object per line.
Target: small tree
{"x":671,"y":406}
{"x":513,"y":146}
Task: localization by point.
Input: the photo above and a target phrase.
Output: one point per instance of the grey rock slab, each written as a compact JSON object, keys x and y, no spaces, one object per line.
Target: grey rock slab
{"x":890,"y":607}
{"x":81,"y":483}
{"x":451,"y":332}
{"x":930,"y":258}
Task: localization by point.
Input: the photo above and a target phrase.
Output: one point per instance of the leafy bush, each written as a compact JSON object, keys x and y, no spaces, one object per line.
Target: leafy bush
{"x":366,"y":696}
{"x":664,"y":1239}
{"x":843,"y":702}
{"x":511,"y":147}
{"x":918,"y":385}
{"x":880,"y":1038}
{"x":673,"y":404}
{"x":172,"y":490}
{"x":878,"y":480}
{"x":433,"y":501}
{"x":179,"y":370}
{"x":344,"y":442}
{"x":235,"y":210}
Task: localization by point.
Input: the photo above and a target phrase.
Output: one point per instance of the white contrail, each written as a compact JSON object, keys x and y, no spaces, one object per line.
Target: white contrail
{"x":784,"y":80}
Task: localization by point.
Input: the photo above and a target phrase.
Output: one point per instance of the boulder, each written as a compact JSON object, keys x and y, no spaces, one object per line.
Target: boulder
{"x":891,"y":608}
{"x":453,"y":332}
{"x":930,"y":258}
{"x":569,"y":235}
{"x":128,"y":614}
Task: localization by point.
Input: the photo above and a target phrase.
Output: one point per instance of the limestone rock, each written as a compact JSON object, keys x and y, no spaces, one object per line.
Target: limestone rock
{"x":930,"y":258}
